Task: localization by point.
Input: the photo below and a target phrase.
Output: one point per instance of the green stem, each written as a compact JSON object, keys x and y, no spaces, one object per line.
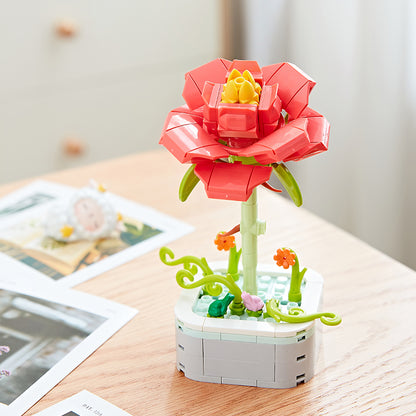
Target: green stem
{"x":296,"y":278}
{"x":249,"y":243}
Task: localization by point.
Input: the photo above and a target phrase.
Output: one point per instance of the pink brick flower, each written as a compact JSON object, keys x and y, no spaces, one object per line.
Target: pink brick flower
{"x":252,"y":302}
{"x":233,"y":144}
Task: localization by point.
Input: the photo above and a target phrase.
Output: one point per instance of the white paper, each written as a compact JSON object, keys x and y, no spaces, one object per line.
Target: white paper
{"x":83,"y":404}
{"x":25,"y":252}
{"x":50,"y":330}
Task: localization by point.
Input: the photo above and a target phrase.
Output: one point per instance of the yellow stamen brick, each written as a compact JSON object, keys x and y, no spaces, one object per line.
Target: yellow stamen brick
{"x":241,"y":88}
{"x":247,"y":75}
{"x":230,"y":94}
{"x":246,"y":93}
{"x":235,"y":73}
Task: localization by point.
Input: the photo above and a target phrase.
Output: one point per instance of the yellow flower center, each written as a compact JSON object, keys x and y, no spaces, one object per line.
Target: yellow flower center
{"x":241,"y":88}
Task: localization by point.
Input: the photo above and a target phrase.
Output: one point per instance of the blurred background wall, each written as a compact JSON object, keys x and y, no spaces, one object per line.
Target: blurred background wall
{"x":363,"y":56}
{"x":86,"y":80}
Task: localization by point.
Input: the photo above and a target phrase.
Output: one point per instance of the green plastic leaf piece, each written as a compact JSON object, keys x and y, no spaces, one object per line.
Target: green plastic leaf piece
{"x":244,"y":160}
{"x":297,"y":315}
{"x":219,"y":307}
{"x":296,"y":278}
{"x":188,"y":183}
{"x":233,"y":260}
{"x":288,"y":182}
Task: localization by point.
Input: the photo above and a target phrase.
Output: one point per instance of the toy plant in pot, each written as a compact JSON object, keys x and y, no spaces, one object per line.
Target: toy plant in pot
{"x":241,"y":322}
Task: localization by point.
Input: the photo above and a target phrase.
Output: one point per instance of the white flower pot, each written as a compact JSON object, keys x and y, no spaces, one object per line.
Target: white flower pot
{"x":245,"y":350}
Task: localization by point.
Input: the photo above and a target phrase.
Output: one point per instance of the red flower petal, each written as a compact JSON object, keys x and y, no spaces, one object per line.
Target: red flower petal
{"x":231,"y":180}
{"x":269,"y":71}
{"x":252,"y":66}
{"x":294,"y":86}
{"x":186,"y":139}
{"x":278,"y":145}
{"x":214,"y":71}
{"x":317,"y":130}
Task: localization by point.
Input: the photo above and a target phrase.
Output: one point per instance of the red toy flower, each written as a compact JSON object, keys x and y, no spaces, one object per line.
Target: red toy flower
{"x":284,"y":258}
{"x":224,"y":242}
{"x":234,"y":143}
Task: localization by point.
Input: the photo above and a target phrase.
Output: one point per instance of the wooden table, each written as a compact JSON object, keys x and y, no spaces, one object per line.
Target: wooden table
{"x":367,"y":364}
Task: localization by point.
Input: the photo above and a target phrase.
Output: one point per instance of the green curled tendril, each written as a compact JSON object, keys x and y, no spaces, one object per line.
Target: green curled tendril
{"x":185,"y":277}
{"x":189,"y":262}
{"x":297,"y":315}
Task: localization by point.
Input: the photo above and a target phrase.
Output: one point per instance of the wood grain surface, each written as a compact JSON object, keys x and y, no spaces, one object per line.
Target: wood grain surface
{"x":367,"y":365}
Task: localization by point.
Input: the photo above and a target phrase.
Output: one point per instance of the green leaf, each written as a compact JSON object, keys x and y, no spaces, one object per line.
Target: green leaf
{"x":188,"y":183}
{"x":288,"y":182}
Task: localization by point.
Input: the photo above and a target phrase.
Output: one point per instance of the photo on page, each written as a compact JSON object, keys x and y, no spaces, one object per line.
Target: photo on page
{"x":45,"y":332}
{"x":77,"y":234}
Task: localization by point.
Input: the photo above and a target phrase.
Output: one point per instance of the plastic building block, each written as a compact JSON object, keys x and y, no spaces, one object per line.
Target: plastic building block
{"x":239,"y":382}
{"x":270,"y":107}
{"x":239,"y":338}
{"x":318,"y":133}
{"x":282,"y":142}
{"x":294,"y":86}
{"x":235,"y":182}
{"x":251,"y":66}
{"x":239,"y":360}
{"x":219,"y":307}
{"x":289,"y":183}
{"x":186,"y":139}
{"x":247,"y":353}
{"x":213,"y":71}
{"x":253,"y":303}
{"x":208,"y":129}
{"x":211,"y":95}
{"x":252,"y":326}
{"x":237,"y":120}
{"x":184,"y":315}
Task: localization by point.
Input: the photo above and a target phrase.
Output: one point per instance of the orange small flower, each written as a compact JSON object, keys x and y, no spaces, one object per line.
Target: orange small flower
{"x":285,"y":258}
{"x":224,"y":242}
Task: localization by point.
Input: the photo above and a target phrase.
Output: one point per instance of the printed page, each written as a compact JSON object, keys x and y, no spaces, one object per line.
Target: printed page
{"x":26,"y":250}
{"x":46,"y":331}
{"x":83,"y":404}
